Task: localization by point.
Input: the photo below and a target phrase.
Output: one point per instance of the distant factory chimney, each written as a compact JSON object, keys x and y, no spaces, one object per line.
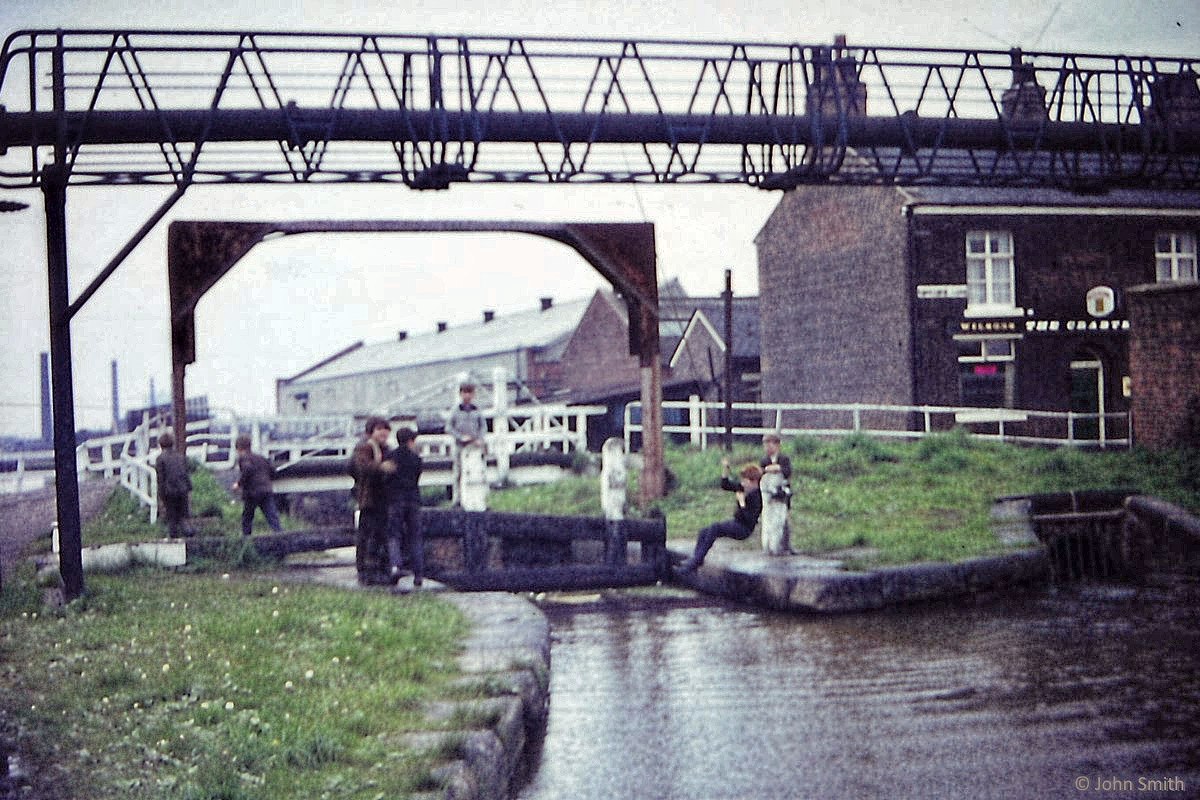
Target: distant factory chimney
{"x":547,"y":302}
{"x":116,"y":401}
{"x":441,"y":327}
{"x":488,"y":315}
{"x":47,"y":416}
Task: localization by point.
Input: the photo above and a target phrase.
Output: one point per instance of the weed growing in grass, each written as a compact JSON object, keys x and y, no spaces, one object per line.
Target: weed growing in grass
{"x":189,"y":686}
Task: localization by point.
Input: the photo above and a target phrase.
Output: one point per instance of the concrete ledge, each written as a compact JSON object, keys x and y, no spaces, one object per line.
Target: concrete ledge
{"x":800,"y":583}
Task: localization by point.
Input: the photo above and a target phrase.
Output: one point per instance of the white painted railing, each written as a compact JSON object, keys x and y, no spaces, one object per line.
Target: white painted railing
{"x":701,"y":421}
{"x":28,"y":470}
{"x":290,"y":440}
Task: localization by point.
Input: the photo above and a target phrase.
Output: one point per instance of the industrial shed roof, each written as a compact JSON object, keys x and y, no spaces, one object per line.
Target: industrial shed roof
{"x":525,"y":330}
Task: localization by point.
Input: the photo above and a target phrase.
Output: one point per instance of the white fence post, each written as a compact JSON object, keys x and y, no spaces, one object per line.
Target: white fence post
{"x":695,"y":421}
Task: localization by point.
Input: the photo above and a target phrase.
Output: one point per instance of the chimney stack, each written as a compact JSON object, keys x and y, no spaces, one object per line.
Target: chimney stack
{"x":547,"y":302}
{"x":1023,"y":104}
{"x":836,"y":87}
{"x":488,"y":315}
{"x":1175,"y":99}
{"x":441,"y":327}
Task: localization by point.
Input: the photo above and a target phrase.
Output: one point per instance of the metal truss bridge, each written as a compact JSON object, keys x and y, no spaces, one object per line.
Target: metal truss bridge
{"x":173,"y":108}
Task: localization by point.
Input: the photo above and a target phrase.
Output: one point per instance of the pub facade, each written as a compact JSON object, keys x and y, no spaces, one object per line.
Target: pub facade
{"x":988,"y":298}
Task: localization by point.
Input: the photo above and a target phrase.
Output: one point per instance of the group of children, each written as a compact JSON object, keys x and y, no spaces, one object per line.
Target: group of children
{"x":255,"y":474}
{"x":386,"y":490}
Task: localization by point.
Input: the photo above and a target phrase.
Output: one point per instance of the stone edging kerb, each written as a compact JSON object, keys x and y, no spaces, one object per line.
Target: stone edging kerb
{"x":824,"y":589}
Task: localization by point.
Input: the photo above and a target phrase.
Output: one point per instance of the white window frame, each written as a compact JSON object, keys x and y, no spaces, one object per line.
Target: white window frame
{"x":998,"y":248}
{"x":1177,"y":261}
{"x":999,"y":350}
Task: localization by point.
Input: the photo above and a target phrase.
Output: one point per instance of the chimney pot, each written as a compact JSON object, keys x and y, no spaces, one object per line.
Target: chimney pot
{"x":547,"y":302}
{"x":441,"y":327}
{"x":401,"y":336}
{"x":489,"y":315}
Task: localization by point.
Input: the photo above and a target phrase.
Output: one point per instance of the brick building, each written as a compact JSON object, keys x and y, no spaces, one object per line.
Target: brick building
{"x":413,"y":368}
{"x":1165,"y":360}
{"x":569,"y":352}
{"x":997,"y":298}
{"x":597,"y":368}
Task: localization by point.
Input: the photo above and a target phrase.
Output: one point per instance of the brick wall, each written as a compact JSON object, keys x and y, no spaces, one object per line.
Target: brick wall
{"x":596,"y":358}
{"x":1164,"y":355}
{"x":834,"y":297}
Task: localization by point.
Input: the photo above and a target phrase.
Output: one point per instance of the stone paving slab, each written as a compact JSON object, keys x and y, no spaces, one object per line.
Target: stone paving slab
{"x":814,"y":584}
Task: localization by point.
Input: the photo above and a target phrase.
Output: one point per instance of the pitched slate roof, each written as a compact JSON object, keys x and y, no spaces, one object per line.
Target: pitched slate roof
{"x":1116,"y":198}
{"x":676,"y":310}
{"x":526,"y":330}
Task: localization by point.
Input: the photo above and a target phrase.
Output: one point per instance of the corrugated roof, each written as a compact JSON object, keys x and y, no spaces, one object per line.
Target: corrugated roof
{"x":533,"y":329}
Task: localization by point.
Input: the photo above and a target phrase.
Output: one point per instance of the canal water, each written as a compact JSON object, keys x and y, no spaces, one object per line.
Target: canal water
{"x":1085,"y":692}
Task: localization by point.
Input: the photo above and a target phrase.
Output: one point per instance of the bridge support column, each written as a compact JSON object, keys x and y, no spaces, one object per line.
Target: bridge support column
{"x":651,"y":484}
{"x":66,"y":470}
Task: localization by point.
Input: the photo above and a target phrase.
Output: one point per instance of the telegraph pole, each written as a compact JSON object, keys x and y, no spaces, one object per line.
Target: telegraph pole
{"x":727,"y":295}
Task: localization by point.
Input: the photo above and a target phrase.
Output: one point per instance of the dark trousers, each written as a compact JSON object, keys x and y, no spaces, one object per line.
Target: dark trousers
{"x":175,"y":511}
{"x":406,"y":540}
{"x":267,"y":503}
{"x":369,"y":544}
{"x":730,"y":529}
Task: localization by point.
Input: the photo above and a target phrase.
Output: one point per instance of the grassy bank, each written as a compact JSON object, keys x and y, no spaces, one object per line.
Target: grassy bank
{"x":213,"y":683}
{"x":906,"y":501}
{"x":161,"y":685}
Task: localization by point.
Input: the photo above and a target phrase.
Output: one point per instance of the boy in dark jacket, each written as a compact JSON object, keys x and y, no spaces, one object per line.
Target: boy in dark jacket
{"x":255,"y":482}
{"x":745,"y":513}
{"x":369,"y":469}
{"x":404,"y":536}
{"x":174,"y":485}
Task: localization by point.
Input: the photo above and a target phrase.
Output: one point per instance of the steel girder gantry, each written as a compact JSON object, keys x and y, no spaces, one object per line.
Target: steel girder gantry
{"x":172,"y":107}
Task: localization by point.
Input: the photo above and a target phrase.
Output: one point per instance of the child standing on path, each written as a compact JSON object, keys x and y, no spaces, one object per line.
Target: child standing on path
{"x":174,"y":485}
{"x":254,"y":480}
{"x":369,"y":469}
{"x":405,"y":540}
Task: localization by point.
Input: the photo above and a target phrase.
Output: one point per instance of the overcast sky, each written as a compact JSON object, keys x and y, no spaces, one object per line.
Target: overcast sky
{"x":296,"y":300}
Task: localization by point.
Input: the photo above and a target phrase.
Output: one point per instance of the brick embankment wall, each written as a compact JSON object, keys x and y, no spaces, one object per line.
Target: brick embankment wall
{"x":1164,"y":360}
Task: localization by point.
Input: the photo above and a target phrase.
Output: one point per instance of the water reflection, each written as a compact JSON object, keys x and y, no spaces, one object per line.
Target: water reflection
{"x":1028,"y":696}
